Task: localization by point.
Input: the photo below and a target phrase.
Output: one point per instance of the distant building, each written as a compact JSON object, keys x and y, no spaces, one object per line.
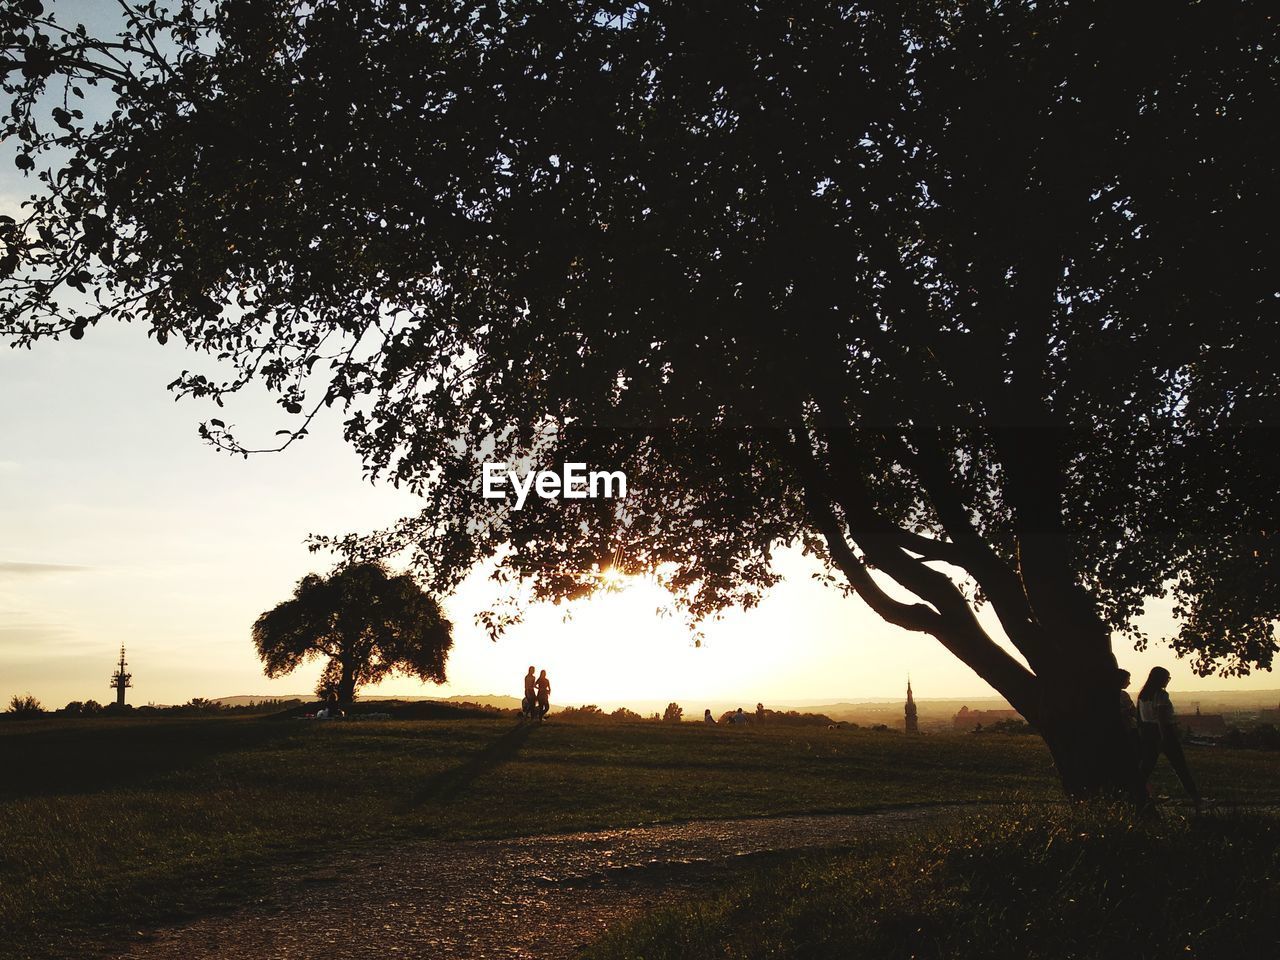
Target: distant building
{"x":913,"y":724}
{"x":121,"y":680}
{"x":1202,"y":724}
{"x":967,"y":719}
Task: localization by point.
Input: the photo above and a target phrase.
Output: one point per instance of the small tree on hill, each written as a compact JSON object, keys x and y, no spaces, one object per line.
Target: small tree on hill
{"x":368,"y":624}
{"x":674,"y":713}
{"x":25,"y":705}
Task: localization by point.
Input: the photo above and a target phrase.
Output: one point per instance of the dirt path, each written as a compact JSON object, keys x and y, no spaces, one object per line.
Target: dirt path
{"x":542,"y":897}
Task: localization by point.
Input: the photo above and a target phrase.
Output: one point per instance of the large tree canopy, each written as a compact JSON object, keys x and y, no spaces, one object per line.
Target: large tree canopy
{"x":366,"y":623}
{"x":977,"y":296}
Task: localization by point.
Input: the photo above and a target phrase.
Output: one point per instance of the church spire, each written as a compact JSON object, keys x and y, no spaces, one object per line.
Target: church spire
{"x":913,"y":724}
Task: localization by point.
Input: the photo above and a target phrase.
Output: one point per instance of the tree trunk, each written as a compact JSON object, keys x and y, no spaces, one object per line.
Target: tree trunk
{"x":1087,"y":736}
{"x":347,"y":684}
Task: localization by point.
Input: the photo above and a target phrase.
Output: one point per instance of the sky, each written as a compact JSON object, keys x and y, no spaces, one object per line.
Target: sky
{"x":118,"y":525}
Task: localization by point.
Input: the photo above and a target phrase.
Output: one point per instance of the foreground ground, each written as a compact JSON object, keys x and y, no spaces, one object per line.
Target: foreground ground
{"x":532,"y":898}
{"x":1045,"y":882}
{"x":109,"y":829}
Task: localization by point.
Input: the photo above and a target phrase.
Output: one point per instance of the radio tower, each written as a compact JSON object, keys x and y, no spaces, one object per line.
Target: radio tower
{"x":121,"y":680}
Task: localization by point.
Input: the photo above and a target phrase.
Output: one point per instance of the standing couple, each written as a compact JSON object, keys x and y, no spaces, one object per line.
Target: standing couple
{"x":537,"y":696}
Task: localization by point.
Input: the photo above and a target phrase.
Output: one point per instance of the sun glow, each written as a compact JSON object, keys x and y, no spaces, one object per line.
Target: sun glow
{"x":614,"y":578}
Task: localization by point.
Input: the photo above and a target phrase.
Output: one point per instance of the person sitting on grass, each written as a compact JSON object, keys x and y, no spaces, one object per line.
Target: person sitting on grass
{"x":1157,"y":732}
{"x":707,"y":717}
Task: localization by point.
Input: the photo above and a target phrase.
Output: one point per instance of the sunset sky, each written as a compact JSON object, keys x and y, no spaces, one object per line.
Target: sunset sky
{"x":119,"y":525}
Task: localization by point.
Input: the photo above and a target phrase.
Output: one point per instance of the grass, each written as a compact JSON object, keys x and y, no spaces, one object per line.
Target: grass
{"x":114,"y":825}
{"x":1052,"y":883}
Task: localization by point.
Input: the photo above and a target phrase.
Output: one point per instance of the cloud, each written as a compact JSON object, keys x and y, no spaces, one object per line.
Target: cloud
{"x":27,"y":568}
{"x":32,"y":633}
{"x":32,"y":640}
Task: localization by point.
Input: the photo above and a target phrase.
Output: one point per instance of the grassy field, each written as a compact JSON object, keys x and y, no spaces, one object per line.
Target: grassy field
{"x":114,"y":825}
{"x":1044,"y":883}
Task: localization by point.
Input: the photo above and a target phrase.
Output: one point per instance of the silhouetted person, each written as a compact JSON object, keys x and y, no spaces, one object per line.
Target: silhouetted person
{"x":738,"y":717}
{"x":707,"y":717}
{"x":1129,"y":717}
{"x":1157,"y":732}
{"x":530,"y":694}
{"x":760,"y":712}
{"x":1127,"y":710}
{"x":544,"y":694}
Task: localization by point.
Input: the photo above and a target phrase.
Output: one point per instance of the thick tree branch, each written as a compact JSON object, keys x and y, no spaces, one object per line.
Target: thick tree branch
{"x":993,"y":575}
{"x":952,"y":621}
{"x":930,"y":548}
{"x":917,"y":617}
{"x":1033,"y":488}
{"x":1028,"y":439}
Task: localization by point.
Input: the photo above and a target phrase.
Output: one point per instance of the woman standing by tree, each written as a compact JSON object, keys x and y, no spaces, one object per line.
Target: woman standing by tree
{"x":1157,"y":731}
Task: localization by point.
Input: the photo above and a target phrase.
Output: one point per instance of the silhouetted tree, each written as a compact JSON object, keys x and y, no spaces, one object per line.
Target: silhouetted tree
{"x":588,"y":711}
{"x":201,"y":705}
{"x":368,"y":625}
{"x":25,"y":706}
{"x":975,"y":301}
{"x":673,"y":714}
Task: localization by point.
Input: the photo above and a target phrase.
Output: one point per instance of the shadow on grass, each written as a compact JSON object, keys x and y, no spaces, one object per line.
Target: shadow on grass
{"x":87,"y":756}
{"x":444,"y":788}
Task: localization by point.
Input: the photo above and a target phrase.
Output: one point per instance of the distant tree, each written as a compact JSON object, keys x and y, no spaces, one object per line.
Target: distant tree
{"x":91,"y":708}
{"x":623,"y":713}
{"x":974,"y":301}
{"x":673,"y":714}
{"x":367,"y":623}
{"x":797,"y":719}
{"x":1009,"y":726}
{"x":73,"y":709}
{"x":586,"y":712}
{"x":1261,"y":736}
{"x":25,"y":705}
